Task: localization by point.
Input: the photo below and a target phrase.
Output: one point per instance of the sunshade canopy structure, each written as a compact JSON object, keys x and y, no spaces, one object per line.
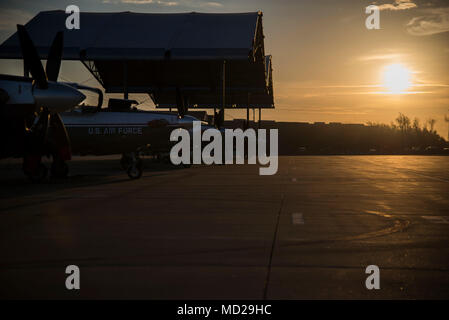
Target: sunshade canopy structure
{"x":159,"y":53}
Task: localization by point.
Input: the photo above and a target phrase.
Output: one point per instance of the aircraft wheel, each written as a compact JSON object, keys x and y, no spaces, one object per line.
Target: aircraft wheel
{"x":135,"y":170}
{"x":125,"y":161}
{"x":37,"y":175}
{"x":59,"y":169}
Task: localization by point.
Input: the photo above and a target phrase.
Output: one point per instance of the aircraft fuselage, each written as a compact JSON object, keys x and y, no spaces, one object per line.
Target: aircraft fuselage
{"x":101,"y":133}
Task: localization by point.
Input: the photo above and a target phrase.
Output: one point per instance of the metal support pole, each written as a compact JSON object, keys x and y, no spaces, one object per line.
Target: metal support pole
{"x":26,"y":72}
{"x":247,"y":111}
{"x":260,"y":116}
{"x":224,"y":87}
{"x":125,"y":80}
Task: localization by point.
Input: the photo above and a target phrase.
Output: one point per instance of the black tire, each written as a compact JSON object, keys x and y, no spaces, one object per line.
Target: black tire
{"x":125,"y":162}
{"x":135,"y":171}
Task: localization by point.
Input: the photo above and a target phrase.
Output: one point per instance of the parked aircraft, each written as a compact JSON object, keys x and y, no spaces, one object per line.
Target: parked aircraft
{"x":122,"y":129}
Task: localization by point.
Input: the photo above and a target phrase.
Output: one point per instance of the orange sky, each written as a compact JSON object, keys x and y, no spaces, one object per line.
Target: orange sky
{"x":327,"y":65}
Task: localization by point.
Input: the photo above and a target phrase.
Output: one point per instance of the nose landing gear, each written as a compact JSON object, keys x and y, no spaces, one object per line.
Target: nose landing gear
{"x":133,"y":165}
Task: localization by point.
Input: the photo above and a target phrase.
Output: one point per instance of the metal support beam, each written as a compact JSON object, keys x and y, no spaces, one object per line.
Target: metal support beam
{"x":224,"y":87}
{"x":125,"y":80}
{"x":90,"y":65}
{"x":247,"y":111}
{"x":26,"y":72}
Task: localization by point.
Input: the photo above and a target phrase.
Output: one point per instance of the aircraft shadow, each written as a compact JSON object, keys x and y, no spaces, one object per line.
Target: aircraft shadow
{"x":13,"y":183}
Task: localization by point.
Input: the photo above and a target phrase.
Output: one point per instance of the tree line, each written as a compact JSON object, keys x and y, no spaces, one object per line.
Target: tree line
{"x":402,"y":136}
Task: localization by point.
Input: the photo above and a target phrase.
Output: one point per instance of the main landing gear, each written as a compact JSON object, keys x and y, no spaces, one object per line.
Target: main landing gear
{"x":36,"y":171}
{"x":45,"y":135}
{"x":133,"y":164}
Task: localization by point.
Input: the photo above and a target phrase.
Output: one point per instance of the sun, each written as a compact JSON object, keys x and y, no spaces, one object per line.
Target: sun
{"x":396,"y":78}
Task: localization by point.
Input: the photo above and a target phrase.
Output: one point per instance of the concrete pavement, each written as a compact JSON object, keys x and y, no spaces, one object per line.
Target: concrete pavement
{"x":224,"y":232}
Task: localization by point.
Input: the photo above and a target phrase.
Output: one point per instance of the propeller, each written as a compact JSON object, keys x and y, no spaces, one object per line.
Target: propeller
{"x":48,"y":134}
{"x":54,"y":57}
{"x":59,"y":133}
{"x":47,"y":92}
{"x":31,"y":58}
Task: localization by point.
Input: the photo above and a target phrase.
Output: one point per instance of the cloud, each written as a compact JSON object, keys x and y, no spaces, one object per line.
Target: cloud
{"x":213,"y":4}
{"x":162,"y":3}
{"x":187,"y":3}
{"x":156,"y":2}
{"x":433,"y":21}
{"x":10,"y":17}
{"x":398,"y":5}
{"x":387,"y":56}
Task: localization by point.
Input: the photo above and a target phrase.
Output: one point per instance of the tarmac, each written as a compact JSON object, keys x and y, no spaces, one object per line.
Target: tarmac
{"x":225,"y":232}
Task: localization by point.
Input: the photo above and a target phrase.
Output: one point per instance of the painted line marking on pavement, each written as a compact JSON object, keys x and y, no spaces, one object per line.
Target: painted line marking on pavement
{"x":378,"y":213}
{"x":297,"y":218}
{"x":437,"y":219}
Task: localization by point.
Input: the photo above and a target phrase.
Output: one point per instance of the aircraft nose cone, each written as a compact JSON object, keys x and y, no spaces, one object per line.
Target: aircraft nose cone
{"x":58,"y":97}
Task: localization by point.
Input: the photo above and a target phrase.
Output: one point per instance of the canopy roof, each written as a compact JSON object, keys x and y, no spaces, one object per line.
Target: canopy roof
{"x":157,"y":53}
{"x":143,"y":36}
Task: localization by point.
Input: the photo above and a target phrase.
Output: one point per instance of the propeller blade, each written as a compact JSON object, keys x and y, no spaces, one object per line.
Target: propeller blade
{"x":31,"y":58}
{"x":54,"y":57}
